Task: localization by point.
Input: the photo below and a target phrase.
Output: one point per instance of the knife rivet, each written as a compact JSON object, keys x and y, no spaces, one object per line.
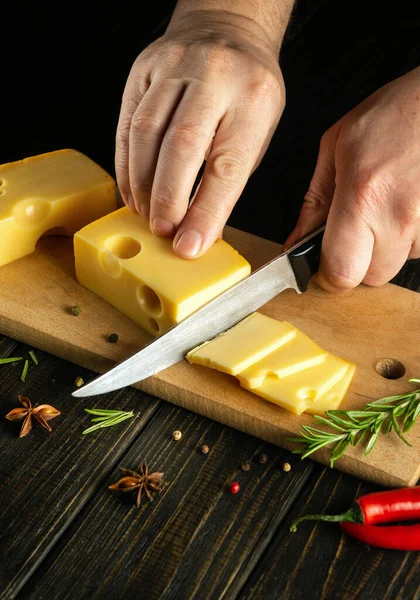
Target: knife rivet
{"x":177,"y":435}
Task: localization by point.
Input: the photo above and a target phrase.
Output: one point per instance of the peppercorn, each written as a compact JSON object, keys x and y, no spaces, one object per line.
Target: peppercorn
{"x":234,"y":487}
{"x":113,"y":338}
{"x":78,"y":381}
{"x":204,"y":449}
{"x":262,"y":458}
{"x":177,"y":435}
{"x":75,"y":311}
{"x":286,"y":467}
{"x":246,"y":467}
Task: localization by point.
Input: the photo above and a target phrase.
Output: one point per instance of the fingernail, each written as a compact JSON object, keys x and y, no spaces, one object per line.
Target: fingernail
{"x":163,"y":226}
{"x":145,"y":210}
{"x":189,"y":243}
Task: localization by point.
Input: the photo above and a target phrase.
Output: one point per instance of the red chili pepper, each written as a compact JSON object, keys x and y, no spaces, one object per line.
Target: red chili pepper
{"x":394,"y":537}
{"x":380,"y":507}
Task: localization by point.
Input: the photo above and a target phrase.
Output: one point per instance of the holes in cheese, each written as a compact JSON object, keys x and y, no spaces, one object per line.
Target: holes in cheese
{"x":56,"y":192}
{"x":122,"y":261}
{"x":298,"y":375}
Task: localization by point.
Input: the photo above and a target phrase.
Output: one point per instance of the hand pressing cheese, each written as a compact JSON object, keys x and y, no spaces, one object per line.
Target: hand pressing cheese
{"x":278,"y":362}
{"x":57,"y":192}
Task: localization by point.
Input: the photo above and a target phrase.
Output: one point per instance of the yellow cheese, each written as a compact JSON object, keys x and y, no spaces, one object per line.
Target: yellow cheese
{"x":122,"y":261}
{"x":298,"y":354}
{"x":243,"y":345}
{"x":299,"y":391}
{"x":57,"y":192}
{"x":332,"y":399}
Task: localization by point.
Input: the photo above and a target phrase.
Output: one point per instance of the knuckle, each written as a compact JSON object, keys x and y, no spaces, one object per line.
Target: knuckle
{"x":123,"y":131}
{"x":145,"y":124}
{"x":185,"y":137}
{"x":372,"y":189}
{"x":265,"y":85}
{"x":228,"y":166}
{"x":164,"y":198}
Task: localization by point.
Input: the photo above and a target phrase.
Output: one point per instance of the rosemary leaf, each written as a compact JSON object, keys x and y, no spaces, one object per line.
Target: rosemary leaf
{"x":4,"y":361}
{"x":25,"y":370}
{"x":102,"y":412}
{"x":33,"y":356}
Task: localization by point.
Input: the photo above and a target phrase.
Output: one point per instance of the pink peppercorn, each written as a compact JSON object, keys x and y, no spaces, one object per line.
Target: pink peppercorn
{"x":234,"y":487}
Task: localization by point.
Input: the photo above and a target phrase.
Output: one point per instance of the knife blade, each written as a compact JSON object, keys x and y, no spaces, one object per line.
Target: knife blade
{"x":292,"y":269}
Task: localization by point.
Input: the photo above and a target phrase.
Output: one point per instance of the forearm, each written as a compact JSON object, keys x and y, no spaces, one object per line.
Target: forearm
{"x":267,"y":20}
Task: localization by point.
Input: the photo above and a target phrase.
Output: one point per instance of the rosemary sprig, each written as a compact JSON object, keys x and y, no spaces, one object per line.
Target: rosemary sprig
{"x":393,"y":413}
{"x":106,"y":418}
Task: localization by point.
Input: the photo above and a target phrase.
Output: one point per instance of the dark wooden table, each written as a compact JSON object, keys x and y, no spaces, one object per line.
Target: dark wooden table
{"x":63,"y":534}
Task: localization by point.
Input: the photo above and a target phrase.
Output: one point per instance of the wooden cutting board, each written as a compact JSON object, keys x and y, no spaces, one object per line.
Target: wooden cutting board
{"x":363,"y":326}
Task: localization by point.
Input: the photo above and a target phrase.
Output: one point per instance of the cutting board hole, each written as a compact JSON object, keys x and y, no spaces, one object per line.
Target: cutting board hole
{"x":390,"y":368}
{"x":149,"y":300}
{"x":123,"y":246}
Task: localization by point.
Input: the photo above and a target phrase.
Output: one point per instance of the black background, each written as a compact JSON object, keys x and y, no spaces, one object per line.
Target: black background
{"x":64,"y":67}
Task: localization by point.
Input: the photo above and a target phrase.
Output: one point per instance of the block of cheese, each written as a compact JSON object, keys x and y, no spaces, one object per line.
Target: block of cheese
{"x":298,"y":354}
{"x":246,"y":343}
{"x":333,"y":398}
{"x":122,"y":261}
{"x":57,"y":192}
{"x":301,"y":390}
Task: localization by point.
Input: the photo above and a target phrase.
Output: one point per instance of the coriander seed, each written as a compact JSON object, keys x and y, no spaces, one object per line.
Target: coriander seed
{"x":262,"y":458}
{"x":78,"y":382}
{"x":204,"y":449}
{"x":177,"y":435}
{"x":246,"y":467}
{"x":286,"y":467}
{"x":113,"y":338}
{"x":75,"y":311}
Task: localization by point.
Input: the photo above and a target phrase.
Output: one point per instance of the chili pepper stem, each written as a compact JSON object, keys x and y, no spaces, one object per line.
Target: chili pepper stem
{"x":353,"y":515}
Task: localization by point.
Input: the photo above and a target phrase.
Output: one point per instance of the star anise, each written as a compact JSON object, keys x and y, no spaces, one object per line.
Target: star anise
{"x":42,"y":413}
{"x":131,"y":481}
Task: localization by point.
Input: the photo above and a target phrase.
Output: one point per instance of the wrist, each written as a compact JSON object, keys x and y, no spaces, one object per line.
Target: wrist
{"x":262,"y":23}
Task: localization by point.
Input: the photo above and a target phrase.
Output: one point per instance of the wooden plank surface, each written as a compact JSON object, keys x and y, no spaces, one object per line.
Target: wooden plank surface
{"x":363,"y":326}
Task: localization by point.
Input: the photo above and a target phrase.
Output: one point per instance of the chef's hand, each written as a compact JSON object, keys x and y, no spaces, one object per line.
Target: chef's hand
{"x":366,"y":186}
{"x":211,"y":88}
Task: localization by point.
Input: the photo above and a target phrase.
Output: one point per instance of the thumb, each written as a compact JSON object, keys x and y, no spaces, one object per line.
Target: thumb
{"x":319,"y":196}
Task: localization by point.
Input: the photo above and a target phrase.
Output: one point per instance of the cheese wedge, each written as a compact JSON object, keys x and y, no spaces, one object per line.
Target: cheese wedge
{"x":298,"y":354}
{"x":334,"y":397}
{"x":58,"y":192}
{"x":243,"y":345}
{"x":122,"y":261}
{"x":301,"y":390}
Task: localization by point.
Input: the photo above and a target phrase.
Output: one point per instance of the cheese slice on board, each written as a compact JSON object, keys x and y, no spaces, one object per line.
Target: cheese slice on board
{"x":301,"y":390}
{"x":243,"y":345}
{"x":57,"y":192}
{"x":334,"y":397}
{"x":122,"y":261}
{"x":298,"y":354}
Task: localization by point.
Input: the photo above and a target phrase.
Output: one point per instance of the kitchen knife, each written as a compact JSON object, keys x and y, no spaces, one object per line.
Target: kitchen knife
{"x":292,"y":269}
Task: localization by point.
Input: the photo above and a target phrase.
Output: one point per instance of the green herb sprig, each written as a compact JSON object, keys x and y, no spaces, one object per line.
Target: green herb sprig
{"x":393,"y":413}
{"x":106,"y":418}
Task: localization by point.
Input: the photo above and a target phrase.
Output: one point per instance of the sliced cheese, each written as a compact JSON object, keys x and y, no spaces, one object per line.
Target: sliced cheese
{"x":334,"y":397}
{"x":243,"y":345}
{"x":301,"y":390}
{"x":56,"y":192}
{"x":122,"y":261}
{"x":298,"y":354}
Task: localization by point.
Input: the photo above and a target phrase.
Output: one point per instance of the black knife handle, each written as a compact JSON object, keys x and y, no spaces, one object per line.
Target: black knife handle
{"x":304,"y":256}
